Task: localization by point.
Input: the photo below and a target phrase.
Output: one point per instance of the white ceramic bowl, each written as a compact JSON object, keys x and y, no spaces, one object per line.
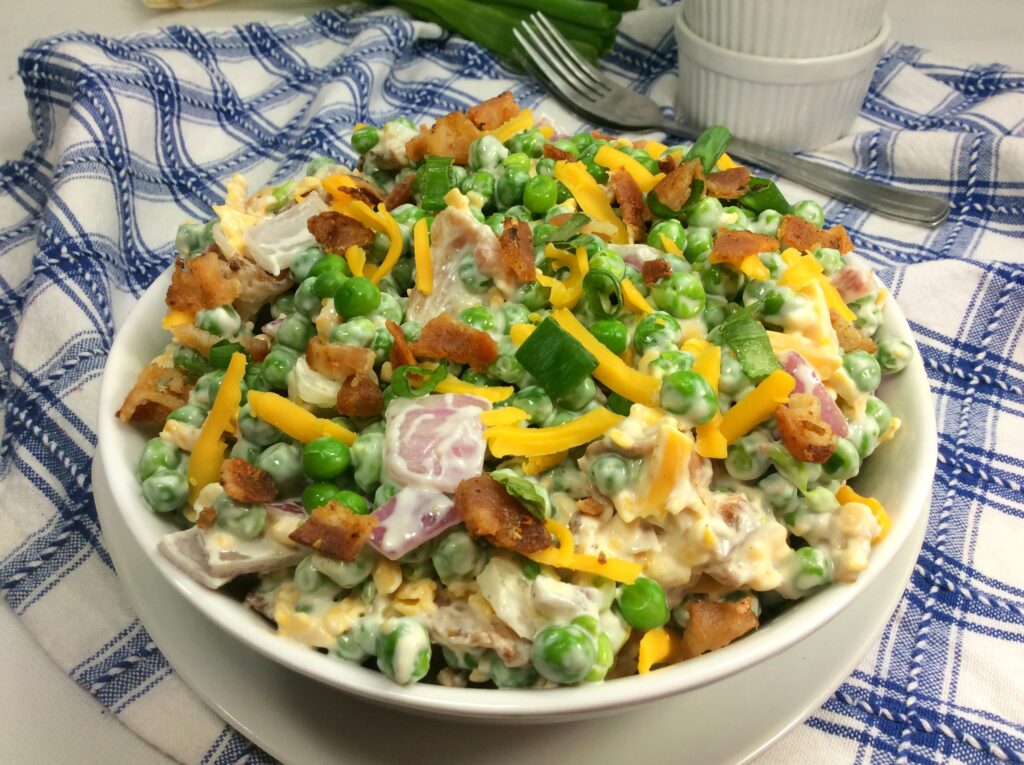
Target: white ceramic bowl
{"x":900,"y":476}
{"x":789,"y":104}
{"x":785,"y":28}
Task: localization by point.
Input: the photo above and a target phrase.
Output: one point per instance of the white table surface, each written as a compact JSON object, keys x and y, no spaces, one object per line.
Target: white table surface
{"x":47,"y":718}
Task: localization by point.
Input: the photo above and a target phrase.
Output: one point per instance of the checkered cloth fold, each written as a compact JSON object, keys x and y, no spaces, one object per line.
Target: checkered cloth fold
{"x":135,"y":135}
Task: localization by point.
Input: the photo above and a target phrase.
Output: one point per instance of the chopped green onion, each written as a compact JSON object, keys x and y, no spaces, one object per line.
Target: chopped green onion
{"x":709,"y":147}
{"x":604,"y":293}
{"x":433,"y":181}
{"x":413,"y":382}
{"x":748,"y":339}
{"x":569,"y":228}
{"x":556,"y":359}
{"x":764,"y":195}
{"x":220,"y":353}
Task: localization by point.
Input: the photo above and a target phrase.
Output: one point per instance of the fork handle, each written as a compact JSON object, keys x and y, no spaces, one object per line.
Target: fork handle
{"x":889,"y":201}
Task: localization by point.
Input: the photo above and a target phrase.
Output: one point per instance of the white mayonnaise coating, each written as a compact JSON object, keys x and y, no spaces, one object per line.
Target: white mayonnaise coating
{"x":306,"y":384}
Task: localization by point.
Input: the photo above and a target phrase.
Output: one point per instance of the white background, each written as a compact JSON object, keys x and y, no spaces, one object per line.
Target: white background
{"x":46,"y":717}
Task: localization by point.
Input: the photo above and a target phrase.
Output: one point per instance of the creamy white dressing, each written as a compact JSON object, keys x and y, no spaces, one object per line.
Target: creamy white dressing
{"x":275,"y":242}
{"x":845,"y":534}
{"x":389,"y":153}
{"x":509,"y":593}
{"x":306,"y":384}
{"x":181,"y":434}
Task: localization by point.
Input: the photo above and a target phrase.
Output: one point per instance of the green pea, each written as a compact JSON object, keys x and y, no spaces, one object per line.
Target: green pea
{"x":688,"y":394}
{"x":510,"y":186}
{"x":358,"y":331}
{"x":471,"y":278}
{"x":681,"y":295}
{"x":669,"y":362}
{"x":513,"y":313}
{"x":223,"y":321}
{"x":459,"y":659}
{"x":347,"y":647}
{"x":830,"y":259}
{"x":307,"y":578}
{"x":605,"y":659}
{"x":306,"y":301}
{"x":863,"y":370}
{"x":318,"y":164}
{"x":619,"y":404}
{"x":567,"y":145}
{"x":529,"y":142}
{"x":667,"y":229}
{"x":365,"y":138}
{"x":610,"y":261}
{"x":255,"y":430}
{"x":580,"y":396}
{"x":810,"y":211}
{"x":716,"y":310}
{"x":244,"y":521}
{"x":545,"y":166}
{"x":193,"y":238}
{"x":534,"y":401}
{"x":821,"y":500}
{"x":165,"y":489}
{"x":324,"y":459}
{"x":656,"y":330}
{"x":869,"y":314}
{"x":482,"y":318}
{"x":206,"y":388}
{"x":189,"y":361}
{"x":731,"y":380}
{"x":403,"y":650}
{"x":880,"y":412}
{"x":513,"y":677}
{"x":747,"y":459}
{"x":157,"y":454}
{"x":190,"y":414}
{"x":316,"y":495}
{"x":328,"y":283}
{"x":564,"y":655}
{"x":347,"y":574}
{"x":481,"y":182}
{"x":368,"y":460}
{"x":611,"y":473}
{"x":812,"y":567}
{"x":305,"y":261}
{"x":245,"y":450}
{"x":779,"y":492}
{"x":597,"y":172}
{"x":611,"y":333}
{"x":540,"y":193}
{"x":486,"y":153}
{"x":357,"y":297}
{"x":642,"y":604}
{"x":507,"y":368}
{"x":707,"y":213}
{"x":844,"y":462}
{"x":699,"y":241}
{"x":767,"y":223}
{"x":283,"y":304}
{"x":893,"y":354}
{"x":456,"y":555}
{"x":720,"y":280}
{"x":295,"y":332}
{"x":284,"y":463}
{"x":277,"y":365}
{"x":354,"y":502}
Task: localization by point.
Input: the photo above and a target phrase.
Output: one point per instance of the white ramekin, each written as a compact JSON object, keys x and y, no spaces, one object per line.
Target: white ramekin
{"x":785,"y":28}
{"x":789,"y":104}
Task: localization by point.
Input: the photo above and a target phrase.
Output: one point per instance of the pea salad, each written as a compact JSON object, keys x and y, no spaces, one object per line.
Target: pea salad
{"x":507,"y":407}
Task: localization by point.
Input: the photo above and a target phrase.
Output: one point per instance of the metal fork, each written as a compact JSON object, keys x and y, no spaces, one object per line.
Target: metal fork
{"x":583,"y":89}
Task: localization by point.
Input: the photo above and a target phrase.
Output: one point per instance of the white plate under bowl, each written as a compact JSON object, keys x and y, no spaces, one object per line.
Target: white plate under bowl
{"x":900,"y":476}
{"x":300,"y":721}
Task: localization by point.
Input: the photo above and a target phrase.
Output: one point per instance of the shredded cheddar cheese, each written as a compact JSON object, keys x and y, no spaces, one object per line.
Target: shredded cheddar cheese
{"x":294,"y":420}
{"x":657,"y":646}
{"x":422,"y":257}
{"x":754,"y":268}
{"x":590,"y":196}
{"x":846,"y":494}
{"x":654,"y":149}
{"x":511,"y":440}
{"x":492,"y":393}
{"x":725,"y":162}
{"x":669,"y":246}
{"x":538,"y":465}
{"x":509,"y":415}
{"x":208,"y":455}
{"x":565,"y":556}
{"x":176,"y":319}
{"x":633,"y":300}
{"x":613,"y":159}
{"x":519,"y":332}
{"x":356,"y":259}
{"x":757,"y":406}
{"x":519,"y":123}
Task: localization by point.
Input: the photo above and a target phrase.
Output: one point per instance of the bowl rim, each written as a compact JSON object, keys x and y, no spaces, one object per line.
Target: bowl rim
{"x":140,"y":330}
{"x":777,"y":70}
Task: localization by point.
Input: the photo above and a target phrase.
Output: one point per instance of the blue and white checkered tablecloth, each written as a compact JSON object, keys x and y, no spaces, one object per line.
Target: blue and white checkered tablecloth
{"x":134,"y":135}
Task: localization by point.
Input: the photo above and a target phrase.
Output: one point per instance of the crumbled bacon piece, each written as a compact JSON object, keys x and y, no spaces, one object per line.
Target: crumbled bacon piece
{"x":516,"y":248}
{"x":201,"y":285}
{"x":600,"y":135}
{"x":590,"y":506}
{"x":450,"y":136}
{"x":631,"y":202}
{"x":401,"y":193}
{"x":667,"y":163}
{"x":558,"y":220}
{"x":257,"y":346}
{"x":365,"y":190}
{"x":338,"y":361}
{"x":336,"y":232}
{"x":335,"y":531}
{"x":360,"y":396}
{"x":805,"y":434}
{"x":850,"y":337}
{"x":553,"y":152}
{"x":728,"y":184}
{"x":715,"y":625}
{"x":733,"y":247}
{"x":157,"y":392}
{"x":256,"y":286}
{"x":490,"y":511}
{"x":674,"y":189}
{"x":206,"y":518}
{"x":190,"y":336}
{"x":246,"y":483}
{"x":494,"y":112}
{"x":401,"y":352}
{"x":655,"y":270}
{"x":445,"y":338}
{"x":796,"y":232}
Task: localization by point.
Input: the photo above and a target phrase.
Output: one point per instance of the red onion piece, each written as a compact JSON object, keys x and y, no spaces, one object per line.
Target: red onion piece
{"x":807,"y":381}
{"x":286,"y":507}
{"x":410,"y":518}
{"x":436,"y":441}
{"x":271,"y":327}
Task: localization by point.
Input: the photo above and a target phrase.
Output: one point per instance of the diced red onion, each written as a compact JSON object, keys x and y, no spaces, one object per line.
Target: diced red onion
{"x":807,"y":381}
{"x":436,"y":441}
{"x":286,"y":507}
{"x":271,"y":327}
{"x":410,"y":518}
